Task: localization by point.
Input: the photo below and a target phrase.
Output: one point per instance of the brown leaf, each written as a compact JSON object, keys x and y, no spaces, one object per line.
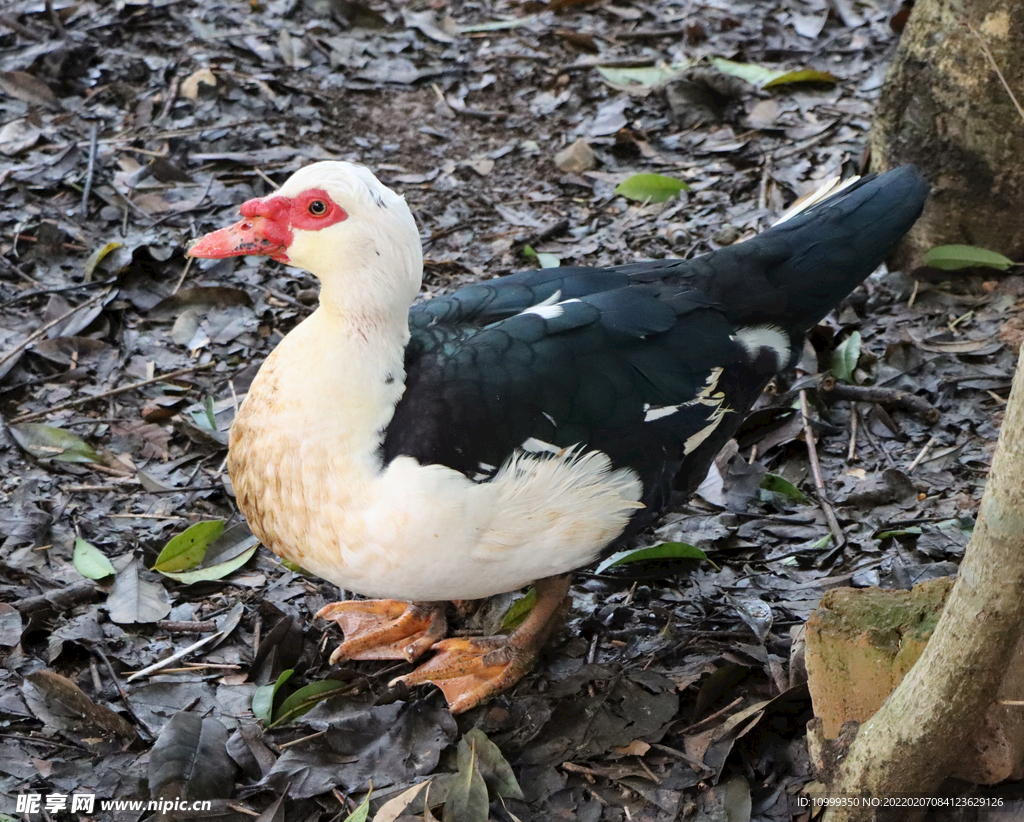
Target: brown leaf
{"x":133,"y":599}
{"x":579,"y":39}
{"x":162,"y":408}
{"x":190,"y":760}
{"x":61,"y":704}
{"x":23,"y":86}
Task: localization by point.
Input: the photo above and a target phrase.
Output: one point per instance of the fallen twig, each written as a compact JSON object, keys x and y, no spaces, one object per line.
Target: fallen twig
{"x":883,"y":396}
{"x":39,"y":332}
{"x":15,"y":26}
{"x":139,"y":721}
{"x":164,"y":663}
{"x":179,"y":627}
{"x":541,"y":236}
{"x":91,"y":168}
{"x":59,"y":599}
{"x":58,"y":25}
{"x":819,"y":482}
{"x":921,"y":455}
{"x":710,"y":719}
{"x":46,"y":291}
{"x":851,"y":453}
{"x":995,"y":67}
{"x":35,"y":415}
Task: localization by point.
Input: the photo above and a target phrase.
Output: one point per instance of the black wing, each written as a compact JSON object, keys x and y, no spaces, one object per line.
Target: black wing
{"x":644,"y":362}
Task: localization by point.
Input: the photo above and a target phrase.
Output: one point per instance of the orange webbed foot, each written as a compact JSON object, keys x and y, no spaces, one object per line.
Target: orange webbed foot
{"x":471,"y":670}
{"x":385,"y":628}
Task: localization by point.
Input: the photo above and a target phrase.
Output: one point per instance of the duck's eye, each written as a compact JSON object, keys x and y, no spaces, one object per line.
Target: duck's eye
{"x":318,"y":208}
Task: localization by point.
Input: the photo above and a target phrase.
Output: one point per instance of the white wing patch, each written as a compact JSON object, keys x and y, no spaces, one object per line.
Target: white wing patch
{"x":756,"y":337}
{"x":656,"y":412}
{"x":548,"y":309}
{"x":713,"y":399}
{"x":536,"y":446}
{"x":827,"y":189}
{"x":709,"y":397}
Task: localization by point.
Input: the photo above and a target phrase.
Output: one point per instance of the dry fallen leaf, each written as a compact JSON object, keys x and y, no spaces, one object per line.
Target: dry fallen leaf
{"x":190,"y":86}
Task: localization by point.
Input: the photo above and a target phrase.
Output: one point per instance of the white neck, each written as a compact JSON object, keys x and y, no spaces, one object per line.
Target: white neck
{"x":342,"y":374}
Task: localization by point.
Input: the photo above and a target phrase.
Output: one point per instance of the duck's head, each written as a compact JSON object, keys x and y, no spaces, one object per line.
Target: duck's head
{"x":340,"y":223}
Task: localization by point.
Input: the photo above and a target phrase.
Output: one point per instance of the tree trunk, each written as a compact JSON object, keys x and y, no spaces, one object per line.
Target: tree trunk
{"x":909,"y":745}
{"x":944,"y":108}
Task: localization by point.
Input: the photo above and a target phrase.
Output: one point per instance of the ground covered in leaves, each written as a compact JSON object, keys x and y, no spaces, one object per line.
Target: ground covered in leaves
{"x":676,"y":688}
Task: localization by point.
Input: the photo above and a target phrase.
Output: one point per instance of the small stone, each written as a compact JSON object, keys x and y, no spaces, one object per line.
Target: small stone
{"x":577,"y":158}
{"x":727,"y":235}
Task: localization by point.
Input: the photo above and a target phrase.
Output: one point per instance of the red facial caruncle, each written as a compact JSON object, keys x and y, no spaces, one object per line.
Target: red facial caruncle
{"x":267,"y":226}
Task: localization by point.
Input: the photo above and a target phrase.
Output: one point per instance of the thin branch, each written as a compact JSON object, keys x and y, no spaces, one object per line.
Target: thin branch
{"x":91,"y":168}
{"x":39,"y":332}
{"x":164,"y":663}
{"x":15,"y":26}
{"x":58,"y":599}
{"x":851,"y":454}
{"x":152,"y":734}
{"x":28,"y":295}
{"x":36,"y":415}
{"x":884,"y":396}
{"x":819,"y":482}
{"x":995,"y":67}
{"x":921,"y":455}
{"x":58,"y":24}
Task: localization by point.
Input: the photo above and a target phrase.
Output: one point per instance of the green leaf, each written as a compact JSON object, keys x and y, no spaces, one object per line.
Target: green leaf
{"x":763,"y":77}
{"x":90,"y":561}
{"x":497,"y":773}
{"x":307,"y":698}
{"x":802,"y":76}
{"x":519,"y":610}
{"x":845,"y":358}
{"x":211,"y":414}
{"x":955,"y":257}
{"x":781,"y":485}
{"x":263,"y":697}
{"x":641,"y":78}
{"x":296,"y":569}
{"x":667,"y":550}
{"x":97,"y":257}
{"x":45,"y":442}
{"x":188,"y":548}
{"x":467,"y":799}
{"x":544,"y":260}
{"x":654,"y":188}
{"x":912,"y":531}
{"x":360,"y":813}
{"x":211,"y":572}
{"x":224,"y":556}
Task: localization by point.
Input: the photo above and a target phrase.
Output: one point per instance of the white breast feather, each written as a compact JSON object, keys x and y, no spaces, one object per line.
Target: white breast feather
{"x":756,"y":337}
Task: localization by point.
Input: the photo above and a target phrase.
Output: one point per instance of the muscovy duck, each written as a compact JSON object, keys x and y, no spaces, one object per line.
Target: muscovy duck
{"x":513,"y":430}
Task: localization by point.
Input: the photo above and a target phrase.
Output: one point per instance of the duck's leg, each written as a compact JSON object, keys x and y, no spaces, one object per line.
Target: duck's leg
{"x":386,"y":628}
{"x":471,"y":670}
